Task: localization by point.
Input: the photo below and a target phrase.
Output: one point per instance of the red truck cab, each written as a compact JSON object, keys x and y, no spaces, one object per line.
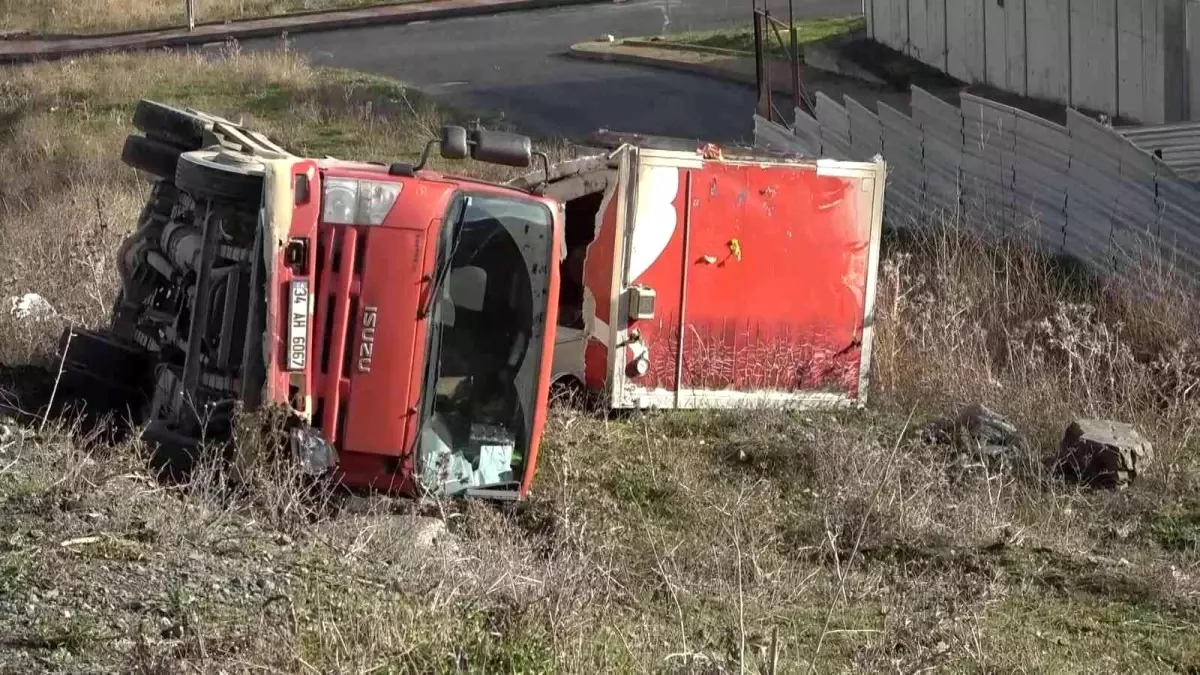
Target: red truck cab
{"x":412,"y":323}
{"x":404,"y":319}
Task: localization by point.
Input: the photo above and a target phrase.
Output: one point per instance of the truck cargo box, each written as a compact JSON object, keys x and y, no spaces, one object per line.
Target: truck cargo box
{"x":710,"y":279}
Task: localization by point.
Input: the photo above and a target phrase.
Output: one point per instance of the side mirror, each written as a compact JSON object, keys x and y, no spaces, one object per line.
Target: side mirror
{"x":454,"y":142}
{"x":501,"y":147}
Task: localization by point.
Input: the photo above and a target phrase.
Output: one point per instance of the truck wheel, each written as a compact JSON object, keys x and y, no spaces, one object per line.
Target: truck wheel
{"x":169,"y":124}
{"x":203,"y":178}
{"x":154,"y":157}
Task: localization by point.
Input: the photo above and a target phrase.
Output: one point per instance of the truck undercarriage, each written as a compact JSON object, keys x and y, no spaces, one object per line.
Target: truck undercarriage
{"x":185,"y":344}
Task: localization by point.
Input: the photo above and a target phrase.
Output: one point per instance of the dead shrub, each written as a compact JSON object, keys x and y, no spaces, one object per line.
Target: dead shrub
{"x":966,"y":318}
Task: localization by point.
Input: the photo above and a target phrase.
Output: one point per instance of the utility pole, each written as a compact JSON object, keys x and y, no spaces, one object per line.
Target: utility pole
{"x":191,"y":14}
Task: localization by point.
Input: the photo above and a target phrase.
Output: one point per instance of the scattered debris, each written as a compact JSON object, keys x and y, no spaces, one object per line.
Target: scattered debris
{"x":81,"y":541}
{"x":710,"y":151}
{"x":426,"y":533}
{"x":978,"y":433}
{"x":1103,"y":454}
{"x":11,"y":432}
{"x":31,"y":306}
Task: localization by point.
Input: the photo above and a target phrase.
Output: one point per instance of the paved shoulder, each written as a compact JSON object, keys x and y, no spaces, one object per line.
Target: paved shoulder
{"x":517,"y":64}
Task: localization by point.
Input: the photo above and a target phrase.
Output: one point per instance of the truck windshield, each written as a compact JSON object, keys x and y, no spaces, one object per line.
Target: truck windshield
{"x":487,"y":321}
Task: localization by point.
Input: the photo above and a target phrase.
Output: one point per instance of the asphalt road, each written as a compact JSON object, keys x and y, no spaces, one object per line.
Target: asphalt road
{"x":515,"y":64}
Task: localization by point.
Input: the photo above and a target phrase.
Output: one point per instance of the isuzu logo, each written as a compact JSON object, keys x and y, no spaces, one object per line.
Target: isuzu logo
{"x":366,"y":343}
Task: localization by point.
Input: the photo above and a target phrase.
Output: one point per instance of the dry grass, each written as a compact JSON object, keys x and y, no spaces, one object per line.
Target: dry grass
{"x":692,"y":542}
{"x":108,"y":16}
{"x":67,"y":200}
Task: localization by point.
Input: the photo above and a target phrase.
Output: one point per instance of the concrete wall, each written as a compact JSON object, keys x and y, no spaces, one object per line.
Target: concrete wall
{"x":1081,"y":189}
{"x":1121,"y":57}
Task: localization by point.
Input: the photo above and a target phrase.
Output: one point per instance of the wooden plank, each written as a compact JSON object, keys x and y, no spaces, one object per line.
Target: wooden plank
{"x":995,"y":45}
{"x":1094,"y":55}
{"x":1193,"y":24}
{"x":1153,"y":60}
{"x":1014,"y":15}
{"x":1048,"y":68}
{"x":1131,"y":35}
{"x":1175,"y":83}
{"x":918,"y":30}
{"x":881,"y":12}
{"x":935,"y":33}
{"x":900,"y":35}
{"x":964,"y":31}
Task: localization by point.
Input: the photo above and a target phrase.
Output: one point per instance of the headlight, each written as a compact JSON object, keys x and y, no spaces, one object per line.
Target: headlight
{"x":347,"y":201}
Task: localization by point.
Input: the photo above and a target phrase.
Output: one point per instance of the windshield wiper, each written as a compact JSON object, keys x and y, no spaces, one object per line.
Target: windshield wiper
{"x":443,"y":273}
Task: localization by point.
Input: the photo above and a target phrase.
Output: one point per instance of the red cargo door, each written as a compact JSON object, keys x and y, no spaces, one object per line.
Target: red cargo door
{"x":767,"y":275}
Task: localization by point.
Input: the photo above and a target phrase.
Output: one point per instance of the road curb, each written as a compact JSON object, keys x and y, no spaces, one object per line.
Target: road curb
{"x":684,"y":47}
{"x":56,"y":47}
{"x":578,"y":52}
{"x":826,"y":64}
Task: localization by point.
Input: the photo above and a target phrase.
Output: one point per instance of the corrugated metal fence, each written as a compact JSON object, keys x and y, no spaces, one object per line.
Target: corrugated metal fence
{"x":1121,"y":57}
{"x":1082,"y":189}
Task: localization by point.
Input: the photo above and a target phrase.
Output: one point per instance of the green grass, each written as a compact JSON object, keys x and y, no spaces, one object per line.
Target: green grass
{"x":741,"y":38}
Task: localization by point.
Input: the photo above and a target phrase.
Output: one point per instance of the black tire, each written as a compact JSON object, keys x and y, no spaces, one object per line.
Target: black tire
{"x":203,"y":182}
{"x":169,"y":124}
{"x":154,"y":157}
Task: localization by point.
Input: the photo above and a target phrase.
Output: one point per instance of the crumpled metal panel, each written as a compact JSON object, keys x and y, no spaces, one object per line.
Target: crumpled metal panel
{"x":771,"y":136}
{"x":866,"y":135}
{"x":1177,"y":144}
{"x":835,"y":127}
{"x":808,"y":129}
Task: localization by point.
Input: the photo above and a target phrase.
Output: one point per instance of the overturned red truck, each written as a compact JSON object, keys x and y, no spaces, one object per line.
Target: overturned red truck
{"x":411,"y":322}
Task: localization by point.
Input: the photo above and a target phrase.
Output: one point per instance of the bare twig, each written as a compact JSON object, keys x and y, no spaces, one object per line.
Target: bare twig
{"x":774,"y":650}
{"x":62,"y":363}
{"x":862,"y":526}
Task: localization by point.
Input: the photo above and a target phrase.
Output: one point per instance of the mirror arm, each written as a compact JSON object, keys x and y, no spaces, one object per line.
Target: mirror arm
{"x":425,"y":154}
{"x":545,"y":157}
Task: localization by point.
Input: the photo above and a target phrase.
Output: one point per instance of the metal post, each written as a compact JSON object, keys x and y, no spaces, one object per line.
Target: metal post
{"x":683,"y":291}
{"x":191,"y":14}
{"x":762,"y":65}
{"x":198,"y":323}
{"x":794,"y":50}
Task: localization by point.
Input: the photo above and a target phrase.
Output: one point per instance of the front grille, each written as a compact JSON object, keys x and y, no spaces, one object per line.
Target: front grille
{"x":340,"y":252}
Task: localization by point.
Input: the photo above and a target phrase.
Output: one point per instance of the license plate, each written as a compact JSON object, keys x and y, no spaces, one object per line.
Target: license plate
{"x":298,"y":326}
